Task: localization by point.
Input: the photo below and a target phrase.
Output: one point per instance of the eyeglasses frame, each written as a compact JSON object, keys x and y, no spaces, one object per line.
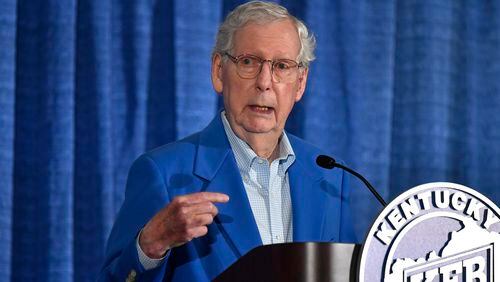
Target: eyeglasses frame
{"x":236,"y":59}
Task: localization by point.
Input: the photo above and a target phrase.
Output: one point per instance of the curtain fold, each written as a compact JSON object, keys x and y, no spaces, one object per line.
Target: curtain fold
{"x":44,"y":141}
{"x":93,"y":205}
{"x":8,"y":17}
{"x":405,"y":92}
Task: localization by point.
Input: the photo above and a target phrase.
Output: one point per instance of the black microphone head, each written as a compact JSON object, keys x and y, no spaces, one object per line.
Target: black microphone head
{"x":325,"y":161}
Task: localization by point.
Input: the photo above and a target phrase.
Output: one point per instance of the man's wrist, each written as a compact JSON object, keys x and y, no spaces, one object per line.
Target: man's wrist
{"x":147,"y":261}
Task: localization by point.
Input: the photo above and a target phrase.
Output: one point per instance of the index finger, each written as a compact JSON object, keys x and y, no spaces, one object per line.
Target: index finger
{"x":206,"y":196}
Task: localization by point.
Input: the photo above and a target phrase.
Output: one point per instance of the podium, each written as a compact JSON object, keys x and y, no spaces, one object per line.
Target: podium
{"x":304,"y":262}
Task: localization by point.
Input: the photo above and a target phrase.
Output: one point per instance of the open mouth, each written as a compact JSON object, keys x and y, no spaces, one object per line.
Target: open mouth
{"x":261,"y":109}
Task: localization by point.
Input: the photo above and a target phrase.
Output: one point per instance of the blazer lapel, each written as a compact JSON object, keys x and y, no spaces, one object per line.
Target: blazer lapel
{"x":215,"y":162}
{"x":235,"y":217}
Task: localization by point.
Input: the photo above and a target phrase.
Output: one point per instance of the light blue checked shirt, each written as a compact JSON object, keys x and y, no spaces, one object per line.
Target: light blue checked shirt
{"x":267,"y":186}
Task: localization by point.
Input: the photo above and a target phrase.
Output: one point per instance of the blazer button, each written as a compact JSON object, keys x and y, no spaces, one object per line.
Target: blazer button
{"x":131,"y":276}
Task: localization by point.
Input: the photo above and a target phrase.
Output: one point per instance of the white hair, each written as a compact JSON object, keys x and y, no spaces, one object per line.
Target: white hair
{"x":262,"y":12}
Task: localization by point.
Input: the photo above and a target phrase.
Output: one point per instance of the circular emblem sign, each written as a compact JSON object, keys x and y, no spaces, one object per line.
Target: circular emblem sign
{"x":434,"y":232}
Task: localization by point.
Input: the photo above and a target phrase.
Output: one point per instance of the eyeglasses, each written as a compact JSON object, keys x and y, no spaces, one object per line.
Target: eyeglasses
{"x":249,"y":66}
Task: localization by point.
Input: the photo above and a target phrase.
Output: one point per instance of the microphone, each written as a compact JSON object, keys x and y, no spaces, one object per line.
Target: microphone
{"x":329,"y":163}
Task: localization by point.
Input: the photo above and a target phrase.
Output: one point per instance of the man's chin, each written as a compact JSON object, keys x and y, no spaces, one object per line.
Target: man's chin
{"x":259,"y":129}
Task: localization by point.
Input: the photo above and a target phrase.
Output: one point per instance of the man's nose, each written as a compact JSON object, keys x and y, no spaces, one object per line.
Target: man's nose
{"x":265,"y":77}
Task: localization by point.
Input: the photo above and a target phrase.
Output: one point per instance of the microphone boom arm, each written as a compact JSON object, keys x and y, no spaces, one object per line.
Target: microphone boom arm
{"x":327,"y":162}
{"x":374,"y":192}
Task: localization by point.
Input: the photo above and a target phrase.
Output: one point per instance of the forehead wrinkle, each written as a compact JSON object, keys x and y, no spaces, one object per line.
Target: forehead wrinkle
{"x":263,"y":41}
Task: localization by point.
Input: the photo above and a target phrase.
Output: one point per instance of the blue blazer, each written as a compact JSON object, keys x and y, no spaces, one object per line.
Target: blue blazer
{"x":205,"y":162}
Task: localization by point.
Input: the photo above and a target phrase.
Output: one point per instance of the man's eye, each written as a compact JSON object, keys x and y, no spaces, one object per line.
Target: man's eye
{"x":282,"y":65}
{"x":246,"y":61}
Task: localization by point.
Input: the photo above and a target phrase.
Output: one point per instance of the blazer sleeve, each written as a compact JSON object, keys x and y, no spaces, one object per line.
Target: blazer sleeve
{"x":145,"y":195}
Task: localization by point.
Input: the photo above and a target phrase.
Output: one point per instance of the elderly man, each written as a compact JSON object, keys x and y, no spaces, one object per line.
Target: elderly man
{"x":193,"y":207}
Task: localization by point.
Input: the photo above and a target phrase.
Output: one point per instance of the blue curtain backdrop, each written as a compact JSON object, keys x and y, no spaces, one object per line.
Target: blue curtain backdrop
{"x":407,"y":92}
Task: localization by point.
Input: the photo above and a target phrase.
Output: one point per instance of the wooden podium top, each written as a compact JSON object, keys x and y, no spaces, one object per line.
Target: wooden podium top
{"x":305,"y":262}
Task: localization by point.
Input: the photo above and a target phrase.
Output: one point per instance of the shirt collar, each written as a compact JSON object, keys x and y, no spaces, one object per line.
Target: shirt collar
{"x":245,"y":156}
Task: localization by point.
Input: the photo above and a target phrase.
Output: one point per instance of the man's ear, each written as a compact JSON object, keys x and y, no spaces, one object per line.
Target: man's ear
{"x":217,"y":73}
{"x":301,"y":84}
